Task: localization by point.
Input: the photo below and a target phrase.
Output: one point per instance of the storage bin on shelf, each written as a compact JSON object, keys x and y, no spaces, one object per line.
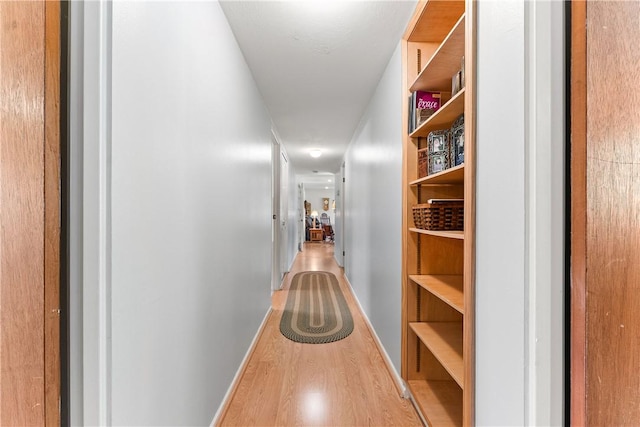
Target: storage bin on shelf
{"x":439,"y":214}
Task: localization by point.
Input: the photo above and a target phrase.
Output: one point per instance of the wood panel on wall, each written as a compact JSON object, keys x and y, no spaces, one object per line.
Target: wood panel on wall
{"x":606,"y":232}
{"x":29,"y":213}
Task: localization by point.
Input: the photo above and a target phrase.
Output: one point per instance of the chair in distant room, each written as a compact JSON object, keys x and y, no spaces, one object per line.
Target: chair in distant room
{"x":325,"y":220}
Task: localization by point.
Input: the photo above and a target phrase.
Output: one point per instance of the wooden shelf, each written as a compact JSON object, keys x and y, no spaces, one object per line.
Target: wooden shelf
{"x":441,"y":380}
{"x":449,"y":234}
{"x":454,"y":175}
{"x":439,"y":401}
{"x":435,"y":21}
{"x":446,"y":287}
{"x":445,"y":62}
{"x":443,"y":118}
{"x":444,"y":340}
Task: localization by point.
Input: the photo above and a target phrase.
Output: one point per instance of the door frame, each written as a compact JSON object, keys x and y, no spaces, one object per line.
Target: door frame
{"x":576,"y":388}
{"x":31,"y":200}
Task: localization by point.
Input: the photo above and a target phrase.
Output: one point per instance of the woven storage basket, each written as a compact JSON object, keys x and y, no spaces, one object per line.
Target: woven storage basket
{"x":439,"y":216}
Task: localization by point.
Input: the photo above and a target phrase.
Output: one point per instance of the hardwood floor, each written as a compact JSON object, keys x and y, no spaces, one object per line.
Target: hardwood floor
{"x":344,"y":383}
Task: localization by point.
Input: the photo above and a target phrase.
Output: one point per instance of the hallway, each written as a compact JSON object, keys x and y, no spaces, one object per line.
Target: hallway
{"x":344,"y":383}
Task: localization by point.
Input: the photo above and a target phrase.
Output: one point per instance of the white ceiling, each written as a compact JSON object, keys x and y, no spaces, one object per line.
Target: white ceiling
{"x":317,"y":64}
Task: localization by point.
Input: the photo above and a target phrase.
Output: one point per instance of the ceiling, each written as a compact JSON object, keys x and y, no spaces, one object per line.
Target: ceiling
{"x":317,"y":64}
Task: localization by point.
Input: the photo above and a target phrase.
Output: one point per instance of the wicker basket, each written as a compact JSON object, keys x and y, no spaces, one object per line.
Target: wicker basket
{"x":439,"y":215}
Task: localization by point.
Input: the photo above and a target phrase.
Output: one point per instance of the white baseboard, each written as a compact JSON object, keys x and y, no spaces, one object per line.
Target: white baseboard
{"x":400,"y":385}
{"x":243,"y":364}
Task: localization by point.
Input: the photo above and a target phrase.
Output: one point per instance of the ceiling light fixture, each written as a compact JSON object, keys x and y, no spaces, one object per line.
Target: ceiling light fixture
{"x":315,"y":153}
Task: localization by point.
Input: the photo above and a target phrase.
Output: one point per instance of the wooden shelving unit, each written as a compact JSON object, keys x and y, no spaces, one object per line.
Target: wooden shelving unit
{"x":438,"y":288}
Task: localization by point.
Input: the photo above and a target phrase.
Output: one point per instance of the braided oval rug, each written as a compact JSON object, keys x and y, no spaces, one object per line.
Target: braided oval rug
{"x":316,"y":311}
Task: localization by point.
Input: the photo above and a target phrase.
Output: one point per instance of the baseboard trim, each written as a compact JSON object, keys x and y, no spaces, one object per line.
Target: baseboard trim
{"x":397,"y":379}
{"x":224,"y":406}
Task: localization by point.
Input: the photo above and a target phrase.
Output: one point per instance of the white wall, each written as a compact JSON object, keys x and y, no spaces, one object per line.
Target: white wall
{"x":178,"y":182}
{"x":373,"y":208}
{"x":519,"y":213}
{"x":315,"y":196}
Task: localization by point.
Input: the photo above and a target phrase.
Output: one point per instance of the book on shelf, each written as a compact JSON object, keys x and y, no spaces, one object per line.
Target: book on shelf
{"x":422,"y":105}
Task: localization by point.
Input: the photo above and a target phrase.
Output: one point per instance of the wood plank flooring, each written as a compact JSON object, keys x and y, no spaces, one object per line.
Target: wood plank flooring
{"x":344,"y":383}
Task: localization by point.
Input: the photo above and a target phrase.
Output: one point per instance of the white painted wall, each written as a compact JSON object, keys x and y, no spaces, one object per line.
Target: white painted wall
{"x":373,"y":209}
{"x":315,"y":195}
{"x":519,"y":255}
{"x":177,"y":212}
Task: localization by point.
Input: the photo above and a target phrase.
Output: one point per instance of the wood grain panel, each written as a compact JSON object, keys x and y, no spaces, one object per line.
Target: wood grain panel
{"x":613,"y":213}
{"x":469,"y":262}
{"x":22,"y":213}
{"x":430,"y":368}
{"x":446,"y":288}
{"x":433,"y":20}
{"x":444,"y":63}
{"x":52,"y":196}
{"x":578,"y":212}
{"x":444,"y":255}
{"x":426,"y":52}
{"x":410,"y":241}
{"x":441,"y":192}
{"x":433,"y":309}
{"x":444,"y":340}
{"x":440,"y":401}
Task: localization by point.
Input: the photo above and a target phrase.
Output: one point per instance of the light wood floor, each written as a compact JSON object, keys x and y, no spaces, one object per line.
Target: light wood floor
{"x":344,"y":383}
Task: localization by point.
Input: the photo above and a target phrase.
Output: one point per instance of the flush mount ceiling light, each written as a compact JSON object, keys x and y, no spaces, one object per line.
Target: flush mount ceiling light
{"x":315,"y":153}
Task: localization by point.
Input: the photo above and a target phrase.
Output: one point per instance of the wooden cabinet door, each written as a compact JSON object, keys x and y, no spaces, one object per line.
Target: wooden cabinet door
{"x":30,"y":213}
{"x":605,"y":213}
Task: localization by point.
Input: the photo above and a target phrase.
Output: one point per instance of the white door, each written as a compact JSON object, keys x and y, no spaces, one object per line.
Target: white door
{"x":276,"y":273}
{"x":284,"y":214}
{"x":301,"y":217}
{"x":343,"y":218}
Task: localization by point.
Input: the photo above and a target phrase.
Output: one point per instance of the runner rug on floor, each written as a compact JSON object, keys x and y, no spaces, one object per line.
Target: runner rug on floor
{"x":316,"y":311}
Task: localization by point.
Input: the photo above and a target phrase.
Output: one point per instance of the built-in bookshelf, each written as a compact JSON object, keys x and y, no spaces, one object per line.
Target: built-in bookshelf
{"x":438,"y":288}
